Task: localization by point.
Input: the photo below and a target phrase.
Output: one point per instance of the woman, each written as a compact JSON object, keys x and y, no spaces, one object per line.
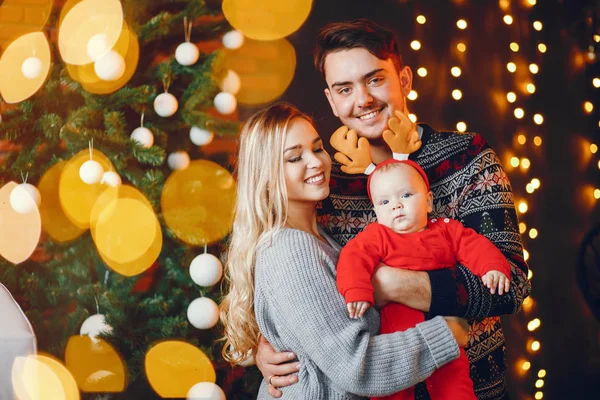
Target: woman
{"x":281,"y":271}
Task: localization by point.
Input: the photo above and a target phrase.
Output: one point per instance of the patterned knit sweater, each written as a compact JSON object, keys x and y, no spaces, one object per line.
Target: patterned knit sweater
{"x":298,"y":308}
{"x":469,"y":185}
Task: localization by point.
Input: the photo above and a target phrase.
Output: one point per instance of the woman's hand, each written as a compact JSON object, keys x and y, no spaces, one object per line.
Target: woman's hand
{"x":460,"y":329}
{"x":276,"y":367}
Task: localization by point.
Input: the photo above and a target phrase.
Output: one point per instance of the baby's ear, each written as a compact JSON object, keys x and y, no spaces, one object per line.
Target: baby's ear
{"x":429,"y":201}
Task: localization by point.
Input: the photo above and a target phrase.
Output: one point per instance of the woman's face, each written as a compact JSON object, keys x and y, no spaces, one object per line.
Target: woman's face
{"x":306,"y":164}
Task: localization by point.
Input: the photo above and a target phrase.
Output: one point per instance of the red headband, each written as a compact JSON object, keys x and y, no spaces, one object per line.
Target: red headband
{"x":391,"y":161}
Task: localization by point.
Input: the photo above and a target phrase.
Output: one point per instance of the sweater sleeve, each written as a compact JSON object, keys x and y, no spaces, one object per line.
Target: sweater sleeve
{"x":302,"y":289}
{"x":475,"y":251}
{"x":357,"y":262}
{"x":459,"y":292}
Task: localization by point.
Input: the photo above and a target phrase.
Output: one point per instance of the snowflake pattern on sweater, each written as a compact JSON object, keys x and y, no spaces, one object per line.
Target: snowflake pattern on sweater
{"x":470,"y":185}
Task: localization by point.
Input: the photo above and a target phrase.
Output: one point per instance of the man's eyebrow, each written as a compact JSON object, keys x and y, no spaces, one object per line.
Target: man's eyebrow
{"x":365,"y":76}
{"x":298,"y":146}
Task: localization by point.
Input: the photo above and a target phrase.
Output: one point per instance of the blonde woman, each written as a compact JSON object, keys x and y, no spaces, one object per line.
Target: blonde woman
{"x":281,"y":271}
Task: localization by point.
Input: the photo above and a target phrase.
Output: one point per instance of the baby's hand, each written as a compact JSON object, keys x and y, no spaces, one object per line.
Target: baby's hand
{"x":357,"y":308}
{"x":496,"y":279}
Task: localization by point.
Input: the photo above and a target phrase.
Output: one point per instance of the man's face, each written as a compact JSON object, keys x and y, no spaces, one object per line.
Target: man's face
{"x":364,"y":91}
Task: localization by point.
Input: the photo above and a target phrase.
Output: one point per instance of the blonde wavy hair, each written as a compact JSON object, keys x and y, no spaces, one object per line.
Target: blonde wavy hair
{"x":260,"y":211}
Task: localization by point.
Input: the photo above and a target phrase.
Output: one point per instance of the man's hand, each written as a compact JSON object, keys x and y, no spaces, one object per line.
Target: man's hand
{"x":496,"y":280}
{"x":275,"y":367}
{"x":460,"y":330}
{"x":411,"y":288}
{"x":356,"y":309}
{"x":402,"y":137}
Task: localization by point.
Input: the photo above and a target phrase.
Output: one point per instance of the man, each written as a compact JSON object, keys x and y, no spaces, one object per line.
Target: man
{"x":366,"y":82}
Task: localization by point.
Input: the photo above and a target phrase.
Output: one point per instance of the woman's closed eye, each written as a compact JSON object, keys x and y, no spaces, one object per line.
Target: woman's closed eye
{"x":296,"y":159}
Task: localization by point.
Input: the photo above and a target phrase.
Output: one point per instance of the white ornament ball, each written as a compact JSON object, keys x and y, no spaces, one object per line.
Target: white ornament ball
{"x":206,"y":269}
{"x":203,"y":313}
{"x":143,"y":136}
{"x":97,"y":46}
{"x":206,"y":391}
{"x":200,"y":137}
{"x":233,"y":39}
{"x":178,"y":160}
{"x":165,"y":104}
{"x":93,"y":325}
{"x":187,"y":53}
{"x":111,"y":178}
{"x":110,"y":67}
{"x":225,"y":103}
{"x":91,"y":172}
{"x":25,"y":198}
{"x":31,"y":67}
{"x":231,"y":83}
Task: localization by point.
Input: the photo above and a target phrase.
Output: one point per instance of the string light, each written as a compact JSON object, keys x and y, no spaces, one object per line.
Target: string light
{"x":537,"y":141}
{"x":598,"y":164}
{"x":534,"y":324}
{"x":538,"y":119}
{"x":515,"y":162}
{"x":413,"y":118}
{"x":504,"y":4}
{"x":421,"y":19}
{"x":526,"y":257}
{"x":541,"y":373}
{"x":511,"y":66}
{"x":511,"y":97}
{"x":539,"y":383}
{"x":523,"y":207}
{"x":519,"y":113}
{"x":593,"y":148}
{"x":539,"y":395}
{"x":522,"y":139}
{"x":461,"y":126}
{"x":455,"y":71}
{"x":415,"y":45}
{"x":525,"y":163}
{"x":535,"y":346}
{"x":461,"y":47}
{"x":413,"y":95}
{"x":533,"y":233}
{"x":596,"y":82}
{"x":532,"y":2}
{"x":461,"y":24}
{"x":422,"y":72}
{"x":596,"y":38}
{"x":522,"y":227}
{"x":456,"y":94}
{"x":514,"y":47}
{"x":535,"y":182}
{"x":542,"y":48}
{"x":588,"y":107}
{"x":526,"y":366}
{"x":533,"y":68}
{"x":597,"y":194}
{"x":529,"y":188}
{"x":508,"y":20}
{"x":537,"y":25}
{"x":531,"y":88}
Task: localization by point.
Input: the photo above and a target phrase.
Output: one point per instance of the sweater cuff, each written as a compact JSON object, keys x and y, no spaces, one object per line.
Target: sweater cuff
{"x":443,"y":293}
{"x":439,"y":339}
{"x":359,"y":294}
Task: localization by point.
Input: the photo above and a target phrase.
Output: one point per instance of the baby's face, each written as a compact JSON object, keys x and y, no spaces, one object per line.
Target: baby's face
{"x":401,"y":199}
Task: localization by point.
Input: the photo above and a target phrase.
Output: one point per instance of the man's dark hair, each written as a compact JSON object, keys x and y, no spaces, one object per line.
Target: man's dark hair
{"x":337,"y":36}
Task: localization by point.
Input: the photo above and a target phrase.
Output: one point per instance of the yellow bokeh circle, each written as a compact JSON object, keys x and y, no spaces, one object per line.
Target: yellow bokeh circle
{"x":266,"y":19}
{"x":173,"y":367}
{"x":54,"y":221}
{"x":77,"y":197}
{"x":266,"y":69}
{"x":41,"y":377}
{"x":197,"y":202}
{"x":36,"y":12}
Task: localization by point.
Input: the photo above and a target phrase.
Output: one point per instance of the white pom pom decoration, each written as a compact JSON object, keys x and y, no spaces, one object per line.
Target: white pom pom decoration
{"x":111,"y":179}
{"x":231,"y":83}
{"x":110,"y":67}
{"x":165,"y":104}
{"x":200,"y":137}
{"x":178,"y":160}
{"x":91,"y":172}
{"x":206,"y":269}
{"x":143,"y":136}
{"x":31,"y":67}
{"x":203,"y":313}
{"x":206,"y":391}
{"x":233,"y":39}
{"x":25,"y":198}
{"x":97,"y":46}
{"x":187,"y":53}
{"x":93,"y":325}
{"x":225,"y":103}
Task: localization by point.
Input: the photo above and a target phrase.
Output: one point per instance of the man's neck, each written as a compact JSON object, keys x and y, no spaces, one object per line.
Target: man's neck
{"x":380,"y":152}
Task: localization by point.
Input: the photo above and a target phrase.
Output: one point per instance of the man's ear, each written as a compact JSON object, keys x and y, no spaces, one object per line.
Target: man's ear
{"x":331,"y":103}
{"x":406,"y":77}
{"x":429,"y":201}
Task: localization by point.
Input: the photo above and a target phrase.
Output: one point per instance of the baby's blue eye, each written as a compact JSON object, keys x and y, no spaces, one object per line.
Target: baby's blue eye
{"x":384,"y":202}
{"x":406,"y":195}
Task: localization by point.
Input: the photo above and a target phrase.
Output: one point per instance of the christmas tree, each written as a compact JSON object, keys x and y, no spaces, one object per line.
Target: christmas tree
{"x":107,"y":136}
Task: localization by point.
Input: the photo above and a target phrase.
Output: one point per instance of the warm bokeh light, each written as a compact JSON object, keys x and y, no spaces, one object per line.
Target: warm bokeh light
{"x":14,"y":85}
{"x":531,"y":88}
{"x":593,"y":148}
{"x":415,"y":45}
{"x":514,"y":161}
{"x":596,"y":38}
{"x":173,"y":367}
{"x":511,"y":67}
{"x":422,"y":72}
{"x":413,"y":118}
{"x":588,"y":107}
{"x":199,"y":216}
{"x":538,"y":119}
{"x":461,"y":24}
{"x":266,"y":19}
{"x":542,"y":48}
{"x":522,"y":227}
{"x":537,"y":25}
{"x":461,"y":126}
{"x":533,"y":68}
{"x":599,"y":164}
{"x":511,"y":97}
{"x":535,"y":345}
{"x":539,"y":383}
{"x":521,"y":139}
{"x":526,"y":257}
{"x":42,"y":377}
{"x":596,"y":82}
{"x":455,"y":71}
{"x":19,"y":17}
{"x":523,"y":207}
{"x":535,"y":182}
{"x":530,"y":272}
{"x":597,"y":194}
{"x":421,"y":19}
{"x":456,"y":94}
{"x":532,"y":2}
{"x":412,"y":95}
{"x":542,"y":373}
{"x":539,"y":395}
{"x":534,"y":324}
{"x":266,"y":69}
{"x":514,"y":47}
{"x":525,"y":163}
{"x":537,"y":140}
{"x":526,"y":366}
{"x":533,"y":233}
{"x":519,"y":113}
{"x":508,"y":20}
{"x":529,"y":188}
{"x":461,"y":47}
{"x":20,"y":233}
{"x":95,"y":364}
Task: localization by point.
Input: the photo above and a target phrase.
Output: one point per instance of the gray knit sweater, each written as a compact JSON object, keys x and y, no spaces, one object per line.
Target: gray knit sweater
{"x":299,"y":309}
